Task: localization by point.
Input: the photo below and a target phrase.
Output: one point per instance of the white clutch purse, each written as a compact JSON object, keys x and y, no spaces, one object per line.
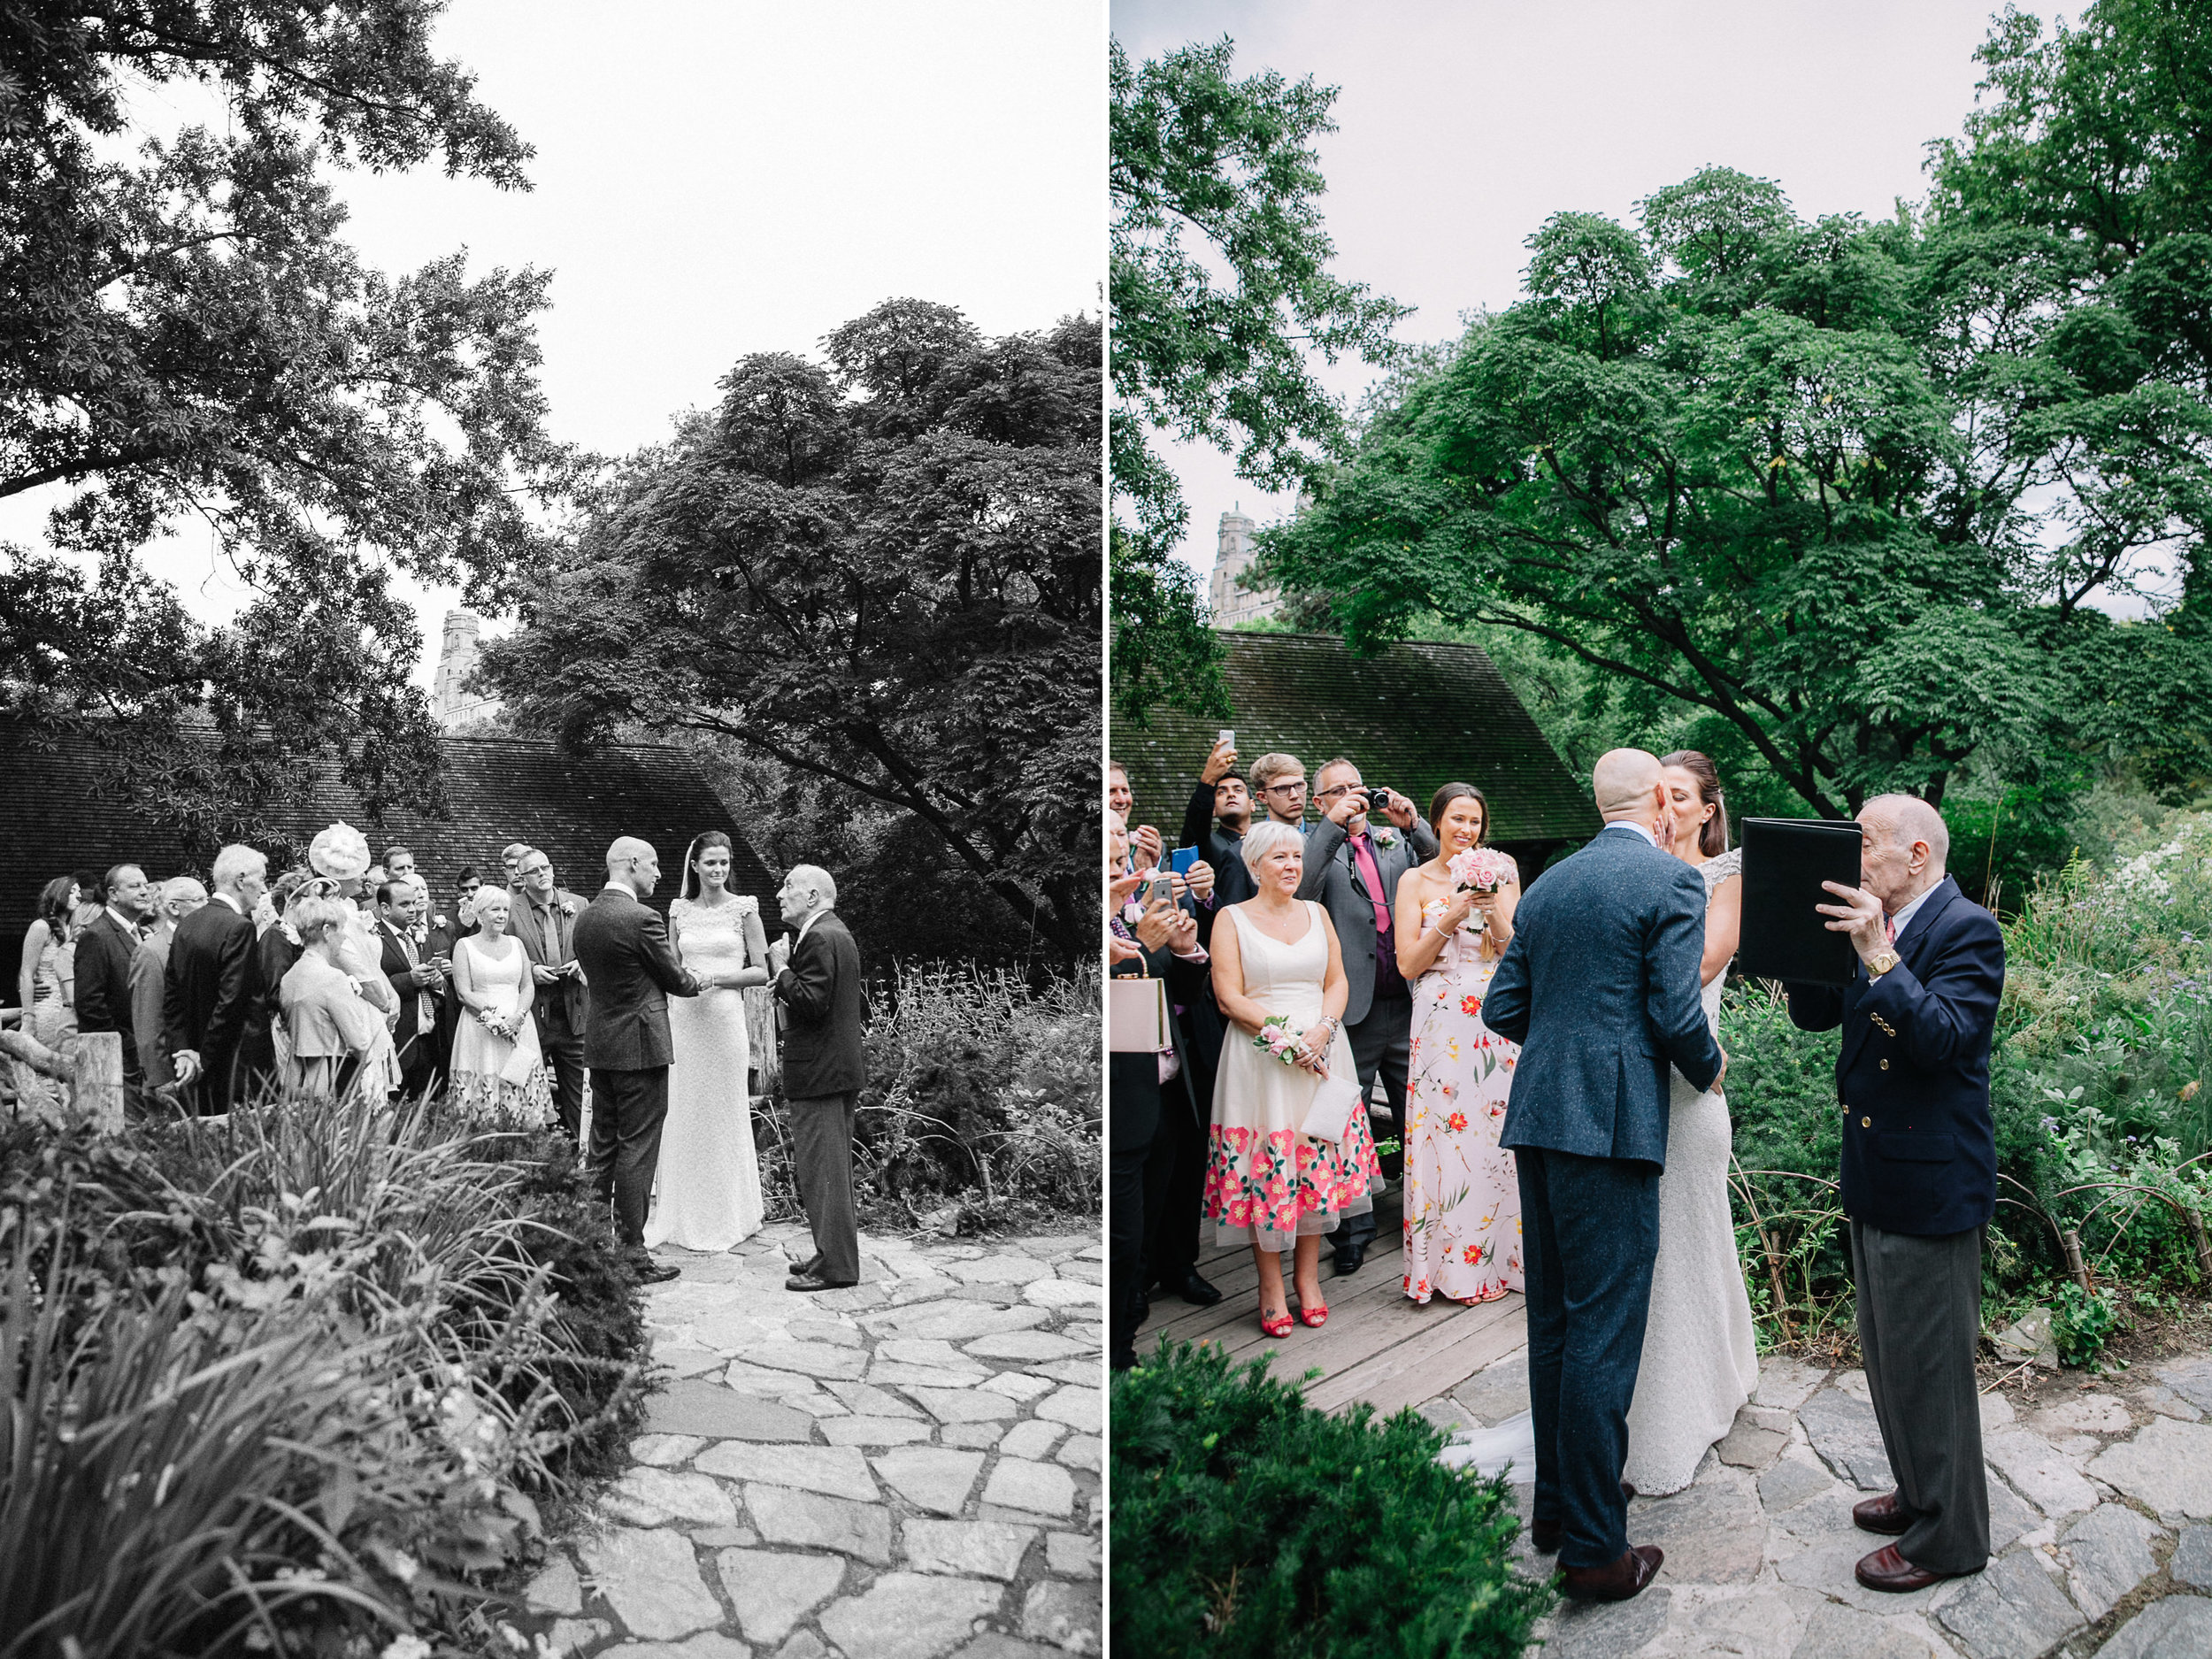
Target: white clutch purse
{"x":1328,"y":1116}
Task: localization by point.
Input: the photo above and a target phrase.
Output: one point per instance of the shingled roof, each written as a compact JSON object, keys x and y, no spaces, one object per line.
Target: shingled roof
{"x":500,"y":789}
{"x":1414,"y":717}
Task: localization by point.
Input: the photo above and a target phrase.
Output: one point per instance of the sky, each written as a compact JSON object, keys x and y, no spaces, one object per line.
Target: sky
{"x":1465,"y":124}
{"x":720,"y":177}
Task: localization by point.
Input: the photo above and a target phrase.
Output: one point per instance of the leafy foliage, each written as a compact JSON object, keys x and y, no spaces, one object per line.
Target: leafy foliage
{"x":1245,"y":1522}
{"x":186,"y":338}
{"x":1232,"y":164}
{"x":883,"y":571}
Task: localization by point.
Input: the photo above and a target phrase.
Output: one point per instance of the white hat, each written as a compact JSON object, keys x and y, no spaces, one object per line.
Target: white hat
{"x":341,"y":852}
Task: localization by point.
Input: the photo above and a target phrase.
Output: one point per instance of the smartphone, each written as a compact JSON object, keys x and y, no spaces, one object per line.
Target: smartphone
{"x":1227,"y":734}
{"x":1181,"y":859}
{"x":1160,"y":891}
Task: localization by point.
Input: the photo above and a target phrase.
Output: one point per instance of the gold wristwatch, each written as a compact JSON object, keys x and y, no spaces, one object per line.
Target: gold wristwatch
{"x":1882,"y":963}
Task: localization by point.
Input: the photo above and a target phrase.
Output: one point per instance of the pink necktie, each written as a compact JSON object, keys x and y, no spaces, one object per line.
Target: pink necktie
{"x":1889,"y":927}
{"x":1373,"y":875}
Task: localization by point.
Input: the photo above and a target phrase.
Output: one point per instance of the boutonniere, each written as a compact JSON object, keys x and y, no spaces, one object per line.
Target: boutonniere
{"x":568,"y":907}
{"x":290,"y":933}
{"x":440,"y":921}
{"x":1385,"y":839}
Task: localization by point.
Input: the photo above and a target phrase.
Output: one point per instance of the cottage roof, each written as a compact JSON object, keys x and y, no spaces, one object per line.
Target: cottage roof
{"x":1414,"y":717}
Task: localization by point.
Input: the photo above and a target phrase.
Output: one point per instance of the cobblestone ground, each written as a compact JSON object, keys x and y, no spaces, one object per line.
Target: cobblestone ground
{"x":2098,"y":1505}
{"x":900,"y":1470}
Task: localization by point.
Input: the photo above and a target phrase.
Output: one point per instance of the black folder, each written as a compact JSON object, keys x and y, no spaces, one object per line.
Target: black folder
{"x":1785,"y":860}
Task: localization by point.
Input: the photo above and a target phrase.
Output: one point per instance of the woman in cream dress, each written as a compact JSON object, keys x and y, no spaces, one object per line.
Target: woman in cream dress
{"x":1700,"y":1364}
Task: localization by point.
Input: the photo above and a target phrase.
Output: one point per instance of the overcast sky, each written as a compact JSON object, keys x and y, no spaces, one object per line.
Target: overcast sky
{"x":1465,"y":124}
{"x":720,"y":177}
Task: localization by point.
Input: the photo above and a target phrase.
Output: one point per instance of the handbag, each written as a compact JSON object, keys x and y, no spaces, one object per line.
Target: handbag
{"x":1137,"y":1016}
{"x":1328,"y":1115}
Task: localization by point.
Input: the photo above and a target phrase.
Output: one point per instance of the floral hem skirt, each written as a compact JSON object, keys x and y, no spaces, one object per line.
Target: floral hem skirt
{"x":1271,"y":1188}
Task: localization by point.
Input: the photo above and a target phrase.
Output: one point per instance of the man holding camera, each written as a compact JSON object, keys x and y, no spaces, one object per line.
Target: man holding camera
{"x":1353,"y":866}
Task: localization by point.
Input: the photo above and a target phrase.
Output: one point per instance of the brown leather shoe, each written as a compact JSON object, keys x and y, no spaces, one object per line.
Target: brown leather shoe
{"x":1887,"y":1570}
{"x":1883,"y":1515}
{"x":1544,"y":1536}
{"x":1616,"y":1581}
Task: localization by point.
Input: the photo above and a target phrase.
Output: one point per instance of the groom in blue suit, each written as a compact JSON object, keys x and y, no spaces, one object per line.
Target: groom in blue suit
{"x":1599,"y":988}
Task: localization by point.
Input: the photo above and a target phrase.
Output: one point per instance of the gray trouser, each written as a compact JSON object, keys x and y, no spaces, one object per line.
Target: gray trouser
{"x":822,"y":1145}
{"x":1920,"y":1317}
{"x":627,"y":1110}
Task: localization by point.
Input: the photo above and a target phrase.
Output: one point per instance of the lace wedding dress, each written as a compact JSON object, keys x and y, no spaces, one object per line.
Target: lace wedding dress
{"x":708,"y":1184}
{"x":1700,"y":1364}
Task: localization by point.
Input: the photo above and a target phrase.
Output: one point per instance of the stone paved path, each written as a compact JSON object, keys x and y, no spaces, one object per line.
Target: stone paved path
{"x":900,"y":1470}
{"x":2098,"y":1507}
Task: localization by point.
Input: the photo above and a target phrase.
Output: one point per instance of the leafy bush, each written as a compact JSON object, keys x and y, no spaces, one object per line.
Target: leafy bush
{"x":2081,"y":1321}
{"x":350,"y":1349}
{"x":1249,"y":1525}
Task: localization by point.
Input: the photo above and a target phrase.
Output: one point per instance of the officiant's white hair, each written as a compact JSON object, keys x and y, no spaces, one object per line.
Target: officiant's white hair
{"x":1266,"y":838}
{"x":1623,"y":779}
{"x":821,"y":880}
{"x":1912,"y":819}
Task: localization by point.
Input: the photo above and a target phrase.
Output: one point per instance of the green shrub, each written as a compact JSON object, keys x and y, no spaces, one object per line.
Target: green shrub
{"x":2081,"y":1321}
{"x":1249,"y":1525}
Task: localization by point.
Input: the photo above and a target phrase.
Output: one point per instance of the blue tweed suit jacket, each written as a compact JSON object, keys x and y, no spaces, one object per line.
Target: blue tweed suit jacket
{"x":1599,"y":988}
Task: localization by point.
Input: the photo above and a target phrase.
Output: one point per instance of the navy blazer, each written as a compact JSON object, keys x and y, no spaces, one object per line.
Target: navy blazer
{"x":825,"y":1013}
{"x":1919,"y":1142}
{"x":1599,"y":988}
{"x":623,"y":944}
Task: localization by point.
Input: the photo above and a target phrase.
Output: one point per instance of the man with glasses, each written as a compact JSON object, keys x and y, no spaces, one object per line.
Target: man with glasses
{"x":1353,"y":867}
{"x":1278,"y":785}
{"x":543,"y":918}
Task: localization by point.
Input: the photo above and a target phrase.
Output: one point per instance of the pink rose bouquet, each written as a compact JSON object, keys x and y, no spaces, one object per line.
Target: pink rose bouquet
{"x":1276,"y":1038}
{"x":1480,"y":870}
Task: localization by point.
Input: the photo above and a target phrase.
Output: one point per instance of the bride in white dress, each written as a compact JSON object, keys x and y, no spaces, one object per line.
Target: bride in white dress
{"x":708,"y":1185}
{"x":1700,"y":1364}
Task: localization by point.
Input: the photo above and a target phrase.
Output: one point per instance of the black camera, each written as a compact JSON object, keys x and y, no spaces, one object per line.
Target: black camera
{"x":1378,"y":800}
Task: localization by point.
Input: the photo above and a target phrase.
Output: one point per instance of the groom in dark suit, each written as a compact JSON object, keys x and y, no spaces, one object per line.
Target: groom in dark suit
{"x":1919,"y":1177}
{"x":825,"y":1066}
{"x":1600,"y":987}
{"x":623,"y":944}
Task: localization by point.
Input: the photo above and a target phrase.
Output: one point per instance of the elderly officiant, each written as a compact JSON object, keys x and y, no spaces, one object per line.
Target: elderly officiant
{"x":1919,"y":1177}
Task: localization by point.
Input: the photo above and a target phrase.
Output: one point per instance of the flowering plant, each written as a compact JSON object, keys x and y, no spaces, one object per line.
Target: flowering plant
{"x":1480,"y":870}
{"x":1277,"y":1038}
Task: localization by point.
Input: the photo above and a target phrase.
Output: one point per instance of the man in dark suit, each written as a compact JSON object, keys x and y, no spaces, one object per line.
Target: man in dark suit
{"x":543,"y":918}
{"x":1919,"y":1177}
{"x":180,"y":895}
{"x":623,"y":945}
{"x":105,"y":950}
{"x":213,"y":985}
{"x":1353,"y":866}
{"x":1221,"y":798}
{"x":416,"y":981}
{"x":1600,"y":987}
{"x":825,"y":1066}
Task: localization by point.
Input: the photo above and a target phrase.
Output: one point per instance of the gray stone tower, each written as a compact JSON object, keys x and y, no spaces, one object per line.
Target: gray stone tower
{"x":449,"y":700}
{"x":1233,"y":555}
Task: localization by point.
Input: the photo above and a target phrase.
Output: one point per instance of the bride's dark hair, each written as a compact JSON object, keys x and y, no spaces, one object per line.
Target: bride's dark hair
{"x":1452,"y":792}
{"x":699,"y":844}
{"x":1713,"y":839}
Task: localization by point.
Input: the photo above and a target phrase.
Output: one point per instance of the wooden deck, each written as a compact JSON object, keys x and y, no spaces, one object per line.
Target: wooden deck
{"x":1377,"y":1345}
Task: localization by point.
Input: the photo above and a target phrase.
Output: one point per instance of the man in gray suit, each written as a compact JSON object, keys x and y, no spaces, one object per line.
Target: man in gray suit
{"x":825,"y":1066}
{"x":623,"y":945}
{"x":1353,"y":867}
{"x":1600,"y":987}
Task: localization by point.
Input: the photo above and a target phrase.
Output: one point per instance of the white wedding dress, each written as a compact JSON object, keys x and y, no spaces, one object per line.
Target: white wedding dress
{"x":708,"y":1183}
{"x":1700,"y":1364}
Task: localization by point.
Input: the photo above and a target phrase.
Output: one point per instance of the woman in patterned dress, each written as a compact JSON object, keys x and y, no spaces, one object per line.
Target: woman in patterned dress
{"x":1267,"y":1184}
{"x":43,"y":995}
{"x":1462,"y":1198}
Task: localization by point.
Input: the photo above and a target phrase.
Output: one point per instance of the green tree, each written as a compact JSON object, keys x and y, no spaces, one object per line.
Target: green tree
{"x":883,"y":572}
{"x":1208,"y":171}
{"x":185,"y":339}
{"x":1795,"y":478}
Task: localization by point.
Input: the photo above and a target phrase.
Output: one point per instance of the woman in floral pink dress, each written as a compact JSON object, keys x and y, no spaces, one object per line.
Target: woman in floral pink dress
{"x":1462,"y":1203}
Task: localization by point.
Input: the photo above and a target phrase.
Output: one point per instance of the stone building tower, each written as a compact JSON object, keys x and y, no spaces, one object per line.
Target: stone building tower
{"x":456,"y":661}
{"x":1232,"y":555}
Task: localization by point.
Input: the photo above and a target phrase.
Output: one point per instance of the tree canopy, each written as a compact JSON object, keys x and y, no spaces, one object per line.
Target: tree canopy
{"x":1848,"y":488}
{"x":185,"y":339}
{"x":883,"y":570}
{"x":1230,"y":165}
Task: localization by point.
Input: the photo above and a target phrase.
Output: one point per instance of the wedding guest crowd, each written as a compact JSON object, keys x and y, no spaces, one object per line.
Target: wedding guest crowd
{"x":338,"y":973}
{"x":1350,"y":980}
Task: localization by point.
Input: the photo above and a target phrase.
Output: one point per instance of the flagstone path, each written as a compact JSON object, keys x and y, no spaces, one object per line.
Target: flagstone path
{"x":2098,"y":1505}
{"x":903,"y":1469}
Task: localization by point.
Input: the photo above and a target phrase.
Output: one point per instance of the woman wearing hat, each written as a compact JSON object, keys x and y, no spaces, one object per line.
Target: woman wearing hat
{"x":340,"y":855}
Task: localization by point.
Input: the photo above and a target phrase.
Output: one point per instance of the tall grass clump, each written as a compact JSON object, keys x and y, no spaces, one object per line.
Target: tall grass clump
{"x":1249,"y":1525}
{"x":2097,"y":1087}
{"x":982,"y":1105}
{"x":310,"y":1372}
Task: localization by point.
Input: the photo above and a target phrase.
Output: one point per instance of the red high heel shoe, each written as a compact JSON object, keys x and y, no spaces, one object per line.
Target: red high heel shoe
{"x":1314,"y":1318}
{"x":1275,"y":1327}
